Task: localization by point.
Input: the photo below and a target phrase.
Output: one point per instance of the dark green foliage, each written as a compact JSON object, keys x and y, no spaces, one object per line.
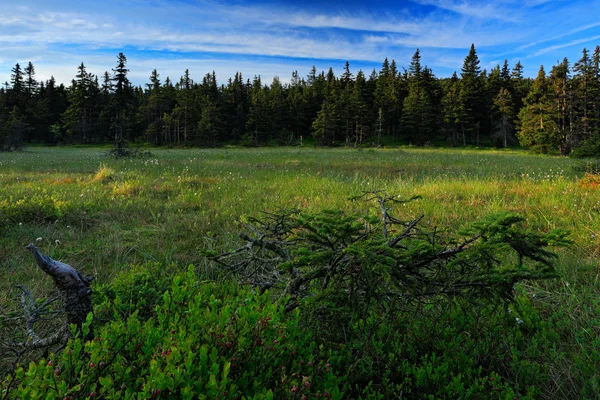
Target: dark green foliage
{"x":12,"y":131}
{"x":412,"y":106}
{"x":472,"y":97}
{"x":420,"y":117}
{"x":206,"y":341}
{"x":377,"y":259}
{"x":589,"y":148}
{"x":538,"y":117}
{"x":405,"y":309}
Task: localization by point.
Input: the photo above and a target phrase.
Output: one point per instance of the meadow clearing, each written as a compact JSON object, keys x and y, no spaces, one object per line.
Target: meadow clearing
{"x":103,"y":215}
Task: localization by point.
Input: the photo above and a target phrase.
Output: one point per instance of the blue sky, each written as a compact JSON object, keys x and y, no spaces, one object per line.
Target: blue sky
{"x":274,"y":38}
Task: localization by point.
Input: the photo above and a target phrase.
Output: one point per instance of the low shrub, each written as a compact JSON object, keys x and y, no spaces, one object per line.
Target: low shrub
{"x":206,"y":341}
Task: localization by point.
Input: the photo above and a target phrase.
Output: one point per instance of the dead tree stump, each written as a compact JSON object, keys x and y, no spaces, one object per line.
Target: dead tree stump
{"x":75,"y":292}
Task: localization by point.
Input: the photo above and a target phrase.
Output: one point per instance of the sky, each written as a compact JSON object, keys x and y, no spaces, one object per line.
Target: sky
{"x":274,"y":38}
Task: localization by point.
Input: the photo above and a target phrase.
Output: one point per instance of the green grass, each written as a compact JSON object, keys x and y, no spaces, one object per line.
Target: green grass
{"x":170,"y":206}
{"x":102,"y":215}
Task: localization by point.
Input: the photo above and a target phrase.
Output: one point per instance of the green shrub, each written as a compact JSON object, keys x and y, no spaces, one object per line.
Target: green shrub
{"x":137,"y":290}
{"x":207,"y":341}
{"x":589,"y":148}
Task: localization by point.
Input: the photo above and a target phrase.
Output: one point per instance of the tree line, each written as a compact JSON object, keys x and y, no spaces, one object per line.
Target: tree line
{"x":555,"y":112}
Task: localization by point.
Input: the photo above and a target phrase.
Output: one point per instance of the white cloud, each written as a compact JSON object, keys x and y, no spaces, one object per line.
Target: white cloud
{"x":488,"y":10}
{"x":569,"y":33}
{"x":569,"y":44}
{"x":62,"y":39}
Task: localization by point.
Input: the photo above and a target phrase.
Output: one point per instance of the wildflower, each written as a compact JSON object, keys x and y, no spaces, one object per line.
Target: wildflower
{"x":519,"y":321}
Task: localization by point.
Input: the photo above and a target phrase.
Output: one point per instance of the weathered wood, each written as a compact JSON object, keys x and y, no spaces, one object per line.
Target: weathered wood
{"x":74,"y":287}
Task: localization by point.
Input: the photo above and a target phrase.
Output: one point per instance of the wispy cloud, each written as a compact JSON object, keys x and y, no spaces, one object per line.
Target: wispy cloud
{"x":278,"y":34}
{"x":569,"y":33}
{"x":569,"y":44}
{"x":484,"y":10}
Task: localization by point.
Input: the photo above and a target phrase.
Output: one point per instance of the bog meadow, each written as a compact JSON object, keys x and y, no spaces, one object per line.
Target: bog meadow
{"x":171,"y":321}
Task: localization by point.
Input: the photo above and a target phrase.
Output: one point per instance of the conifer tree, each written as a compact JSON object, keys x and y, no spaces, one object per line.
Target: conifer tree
{"x":559,"y":80}
{"x":538,"y":128}
{"x":386,"y":98}
{"x":51,"y":104}
{"x":258,"y":124}
{"x":471,"y":99}
{"x":519,"y":84}
{"x":347,"y":105}
{"x":30,"y":83}
{"x":186,"y":112}
{"x":16,"y":92}
{"x":325,"y":126}
{"x":209,"y":125}
{"x":79,"y":117}
{"x":122,"y":101}
{"x":13,"y":130}
{"x":503,"y":128}
{"x":452,"y":111}
{"x":583,"y":79}
{"x":363,"y":119}
{"x":151,"y":109}
{"x":277,"y":109}
{"x":297,"y":107}
{"x":595,"y":94}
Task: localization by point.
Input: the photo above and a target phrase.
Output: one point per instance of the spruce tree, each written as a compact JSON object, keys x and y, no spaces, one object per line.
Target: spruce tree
{"x":362,"y":100}
{"x":79,"y":118}
{"x":257,"y":125}
{"x":519,"y":84}
{"x":583,"y":79}
{"x":595,"y":94}
{"x":471,"y":97}
{"x":502,"y":129}
{"x":538,"y":128}
{"x":122,"y":101}
{"x":347,"y":105}
{"x":16,"y":93}
{"x":154,"y":109}
{"x":559,"y":78}
{"x":452,"y":111}
{"x":297,"y":108}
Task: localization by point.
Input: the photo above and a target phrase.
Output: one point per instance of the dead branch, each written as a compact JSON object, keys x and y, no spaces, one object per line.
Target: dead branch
{"x":75,"y":292}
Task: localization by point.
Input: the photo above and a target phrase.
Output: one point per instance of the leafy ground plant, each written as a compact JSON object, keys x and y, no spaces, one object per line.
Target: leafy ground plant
{"x":206,"y":341}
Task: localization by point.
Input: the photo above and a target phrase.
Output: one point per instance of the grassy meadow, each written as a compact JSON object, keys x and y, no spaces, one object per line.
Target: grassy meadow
{"x":103,"y":215}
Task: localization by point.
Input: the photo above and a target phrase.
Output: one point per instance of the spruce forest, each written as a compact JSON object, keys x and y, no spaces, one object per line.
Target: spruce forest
{"x":557,"y":112}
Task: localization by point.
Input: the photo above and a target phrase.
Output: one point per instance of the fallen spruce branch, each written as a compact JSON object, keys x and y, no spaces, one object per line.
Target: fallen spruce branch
{"x":356,"y":260}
